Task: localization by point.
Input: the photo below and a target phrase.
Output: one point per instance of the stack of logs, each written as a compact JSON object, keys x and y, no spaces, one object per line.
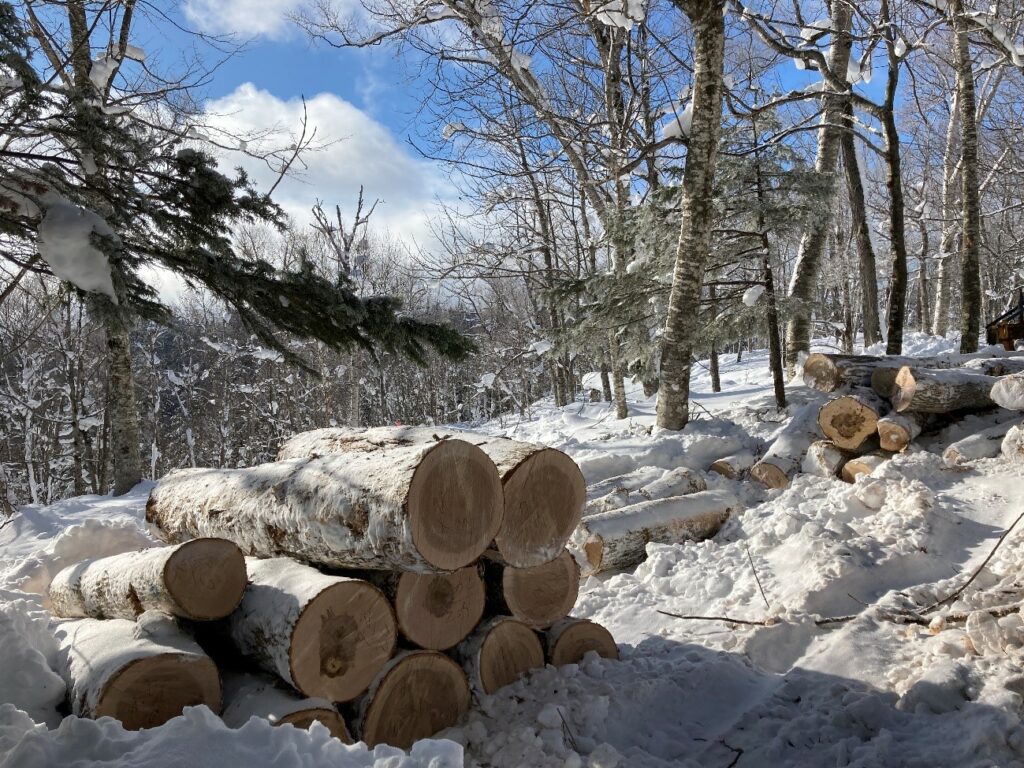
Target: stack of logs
{"x":373,"y":581}
{"x":880,"y":405}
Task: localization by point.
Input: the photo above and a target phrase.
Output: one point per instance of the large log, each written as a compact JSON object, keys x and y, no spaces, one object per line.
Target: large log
{"x":783,"y":458}
{"x":202,"y":579}
{"x":679,"y":481}
{"x":420,"y":507}
{"x":417,"y":694}
{"x":498,"y":653}
{"x":544,"y":490}
{"x":862,"y":465}
{"x":824,"y":459}
{"x":941,"y":391}
{"x":141,"y":673}
{"x":618,"y":539}
{"x":986,"y":444}
{"x":734,"y":465}
{"x":1008,"y":392}
{"x":538,"y":596}
{"x":828,"y":372}
{"x":568,"y":641}
{"x":247,"y":696}
{"x":851,"y":420}
{"x":326,"y":636}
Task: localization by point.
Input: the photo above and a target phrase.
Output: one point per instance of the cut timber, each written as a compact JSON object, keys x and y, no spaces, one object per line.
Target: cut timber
{"x":499,"y":652}
{"x":997,"y":366}
{"x":1013,"y":444}
{"x":734,"y":466}
{"x":327,"y":636}
{"x":247,"y":696}
{"x":827,"y":372}
{"x":618,"y":539}
{"x":679,"y":481}
{"x":142,"y":674}
{"x":986,"y":444}
{"x":417,"y":694}
{"x":898,"y":430}
{"x":544,"y":490}
{"x":862,"y":465}
{"x":571,"y":639}
{"x":783,"y":458}
{"x":202,"y":579}
{"x":941,"y":391}
{"x":824,"y":459}
{"x":538,"y":596}
{"x":1008,"y":392}
{"x":428,"y":506}
{"x":851,"y":420}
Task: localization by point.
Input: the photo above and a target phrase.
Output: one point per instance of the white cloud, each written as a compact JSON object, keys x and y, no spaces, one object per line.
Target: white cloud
{"x":248,"y":18}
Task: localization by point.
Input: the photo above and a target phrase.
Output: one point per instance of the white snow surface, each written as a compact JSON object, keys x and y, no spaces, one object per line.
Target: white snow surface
{"x":783,"y":691}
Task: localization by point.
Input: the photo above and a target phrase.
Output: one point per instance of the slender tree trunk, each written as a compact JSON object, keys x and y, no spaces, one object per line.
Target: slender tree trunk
{"x":618,"y":377}
{"x":894,"y":184}
{"x":124,"y":412}
{"x":923,"y":315}
{"x":944,"y":274}
{"x":716,"y":379}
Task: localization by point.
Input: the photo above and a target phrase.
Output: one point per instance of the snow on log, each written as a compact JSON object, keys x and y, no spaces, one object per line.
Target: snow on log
{"x":568,"y":641}
{"x":424,"y":506}
{"x":327,"y":636}
{"x":828,"y":372}
{"x":734,"y":465}
{"x":141,"y":673}
{"x":851,"y":420}
{"x":538,"y":596}
{"x":897,"y":431}
{"x":202,"y":579}
{"x":618,"y":539}
{"x":1013,"y":444}
{"x":862,"y":465}
{"x":499,"y":652}
{"x":1009,"y":392}
{"x":941,"y":391}
{"x":824,"y":459}
{"x":783,"y":458}
{"x":997,"y":366}
{"x":247,"y":696}
{"x":415,"y":695}
{"x":679,"y":481}
{"x":985,"y":444}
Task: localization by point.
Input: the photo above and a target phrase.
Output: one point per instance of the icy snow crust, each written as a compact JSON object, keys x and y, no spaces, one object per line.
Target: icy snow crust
{"x":782,"y":692}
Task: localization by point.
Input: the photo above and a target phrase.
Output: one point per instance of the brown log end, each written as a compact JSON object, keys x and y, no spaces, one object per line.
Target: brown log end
{"x":862,"y":465}
{"x":455,"y":504}
{"x":341,"y":640}
{"x":768,"y":474}
{"x":723,"y":468}
{"x":541,"y":595}
{"x":847,"y":422}
{"x":820,"y":373}
{"x":423,"y":693}
{"x":581,"y":637}
{"x":903,"y":389}
{"x":436,"y":611}
{"x":893,"y":436}
{"x":544,"y":498}
{"x":206,"y":578}
{"x":883,"y":380}
{"x":510,"y":650}
{"x":328,"y":718}
{"x":149,"y":691}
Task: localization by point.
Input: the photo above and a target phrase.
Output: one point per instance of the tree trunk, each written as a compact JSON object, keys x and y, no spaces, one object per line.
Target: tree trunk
{"x":326,"y":636}
{"x":986,"y":444}
{"x":673,"y":482}
{"x":498,"y":653}
{"x":827,"y":372}
{"x":1008,"y":392}
{"x":734,"y":465}
{"x":862,"y":465}
{"x":775,"y":362}
{"x":247,"y":696}
{"x":851,"y":421}
{"x":124,"y":412}
{"x":568,"y":641}
{"x":894,"y":186}
{"x":941,"y":391}
{"x":783,"y":459}
{"x":944,"y":274}
{"x":618,"y":377}
{"x":202,"y":579}
{"x":824,"y":459}
{"x":537,"y":596}
{"x":427,"y":506}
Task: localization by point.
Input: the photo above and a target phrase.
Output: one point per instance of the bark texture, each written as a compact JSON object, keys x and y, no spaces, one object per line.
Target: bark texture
{"x":941,"y":391}
{"x":680,"y":481}
{"x":824,"y":459}
{"x":734,"y":465}
{"x":783,"y":458}
{"x":986,"y":444}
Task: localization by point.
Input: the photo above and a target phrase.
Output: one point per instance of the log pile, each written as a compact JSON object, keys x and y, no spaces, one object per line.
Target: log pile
{"x":369,"y":581}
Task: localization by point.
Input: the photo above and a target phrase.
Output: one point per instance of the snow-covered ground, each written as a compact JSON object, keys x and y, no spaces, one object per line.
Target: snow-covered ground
{"x":787,"y":689}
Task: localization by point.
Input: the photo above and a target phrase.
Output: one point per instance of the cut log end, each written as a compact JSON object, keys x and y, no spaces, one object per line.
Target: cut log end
{"x":820,"y":373}
{"x":455,"y":504}
{"x":768,"y":474}
{"x":206,"y":578}
{"x":510,"y":650}
{"x":848,"y":421}
{"x":422,"y":693}
{"x":861,"y":465}
{"x":342,"y":639}
{"x":328,"y":718}
{"x":150,"y":691}
{"x":573,"y":642}
{"x":541,"y":595}
{"x":437,"y":610}
{"x":903,"y":389}
{"x":544,"y":498}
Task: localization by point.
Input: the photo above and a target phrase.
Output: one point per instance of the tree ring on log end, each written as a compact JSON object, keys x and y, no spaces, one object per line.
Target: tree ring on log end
{"x":576,"y":640}
{"x":150,"y":691}
{"x":329,"y":718}
{"x":437,"y":610}
{"x":770,"y":475}
{"x":510,"y":650}
{"x":541,"y":595}
{"x":848,"y":422}
{"x":206,"y":578}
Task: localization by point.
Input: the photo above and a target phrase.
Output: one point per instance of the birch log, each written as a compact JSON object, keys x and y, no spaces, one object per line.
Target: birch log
{"x":898,"y":430}
{"x":851,"y":420}
{"x":498,"y":653}
{"x":985,"y":444}
{"x":425,"y":506}
{"x":1008,"y":392}
{"x":618,"y":539}
{"x":734,"y":465}
{"x":679,"y":481}
{"x":415,"y":695}
{"x":783,"y":458}
{"x":326,"y":636}
{"x":247,"y":696}
{"x":141,"y":673}
{"x":538,"y":596}
{"x":824,"y":459}
{"x":543,"y":489}
{"x":941,"y":391}
{"x":202,"y":579}
{"x":1013,"y":444}
{"x":827,"y":372}
{"x":568,"y":641}
{"x":862,"y":465}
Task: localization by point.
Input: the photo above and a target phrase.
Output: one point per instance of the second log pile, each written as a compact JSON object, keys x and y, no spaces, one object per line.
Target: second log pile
{"x":370,"y":580}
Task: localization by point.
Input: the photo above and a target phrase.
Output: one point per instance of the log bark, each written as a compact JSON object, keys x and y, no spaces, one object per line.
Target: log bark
{"x":824,"y":459}
{"x":544,"y":491}
{"x":326,"y":636}
{"x":537,"y":596}
{"x":782,"y":459}
{"x":1013,"y":444}
{"x":618,"y":539}
{"x":415,"y":695}
{"x":247,"y":696}
{"x":941,"y":391}
{"x":571,"y":639}
{"x":498,"y":653}
{"x":862,"y":465}
{"x":1008,"y":392}
{"x":898,"y":430}
{"x":202,"y":579}
{"x":424,"y":506}
{"x":141,"y":673}
{"x":673,"y":482}
{"x":852,"y":420}
{"x":828,"y":372}
{"x":986,"y":444}
{"x":734,"y":466}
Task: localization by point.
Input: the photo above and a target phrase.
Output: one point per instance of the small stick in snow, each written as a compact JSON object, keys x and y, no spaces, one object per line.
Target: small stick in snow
{"x":756,"y":577}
